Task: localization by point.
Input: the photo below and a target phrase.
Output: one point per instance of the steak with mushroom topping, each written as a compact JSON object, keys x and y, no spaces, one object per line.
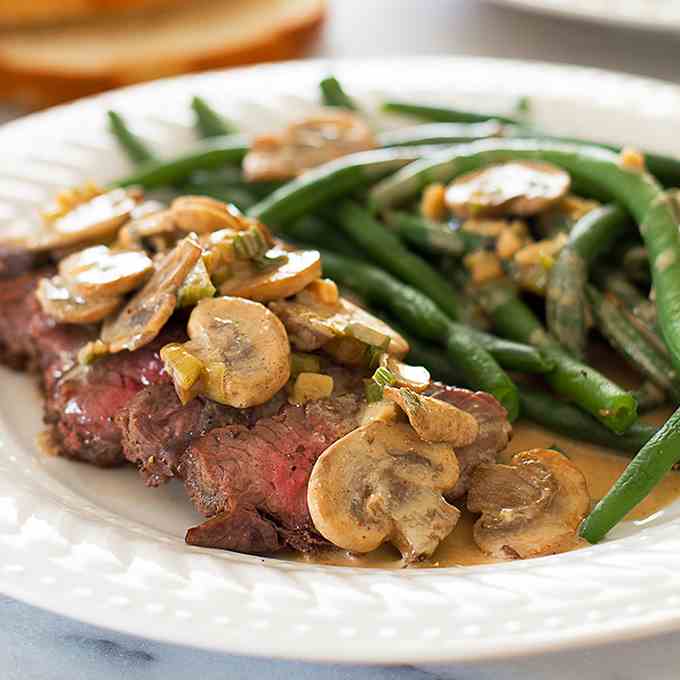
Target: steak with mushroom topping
{"x":262,"y":473}
{"x":494,"y":430}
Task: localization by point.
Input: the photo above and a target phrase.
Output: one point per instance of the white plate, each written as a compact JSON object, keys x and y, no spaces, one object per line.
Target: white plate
{"x":98,"y":546}
{"x":657,"y":15}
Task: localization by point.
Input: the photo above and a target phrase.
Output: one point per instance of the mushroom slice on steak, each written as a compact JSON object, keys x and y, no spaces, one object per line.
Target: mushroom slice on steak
{"x":277,"y":275}
{"x":100,"y":271}
{"x":97,"y":219}
{"x":416,"y":378}
{"x":58,"y":300}
{"x":434,"y":420}
{"x":307,"y":143}
{"x":238,"y":354}
{"x":342,"y":328}
{"x":516,"y":188}
{"x":529,"y":508}
{"x":145,"y":314}
{"x":380,"y":483}
{"x":203,"y":214}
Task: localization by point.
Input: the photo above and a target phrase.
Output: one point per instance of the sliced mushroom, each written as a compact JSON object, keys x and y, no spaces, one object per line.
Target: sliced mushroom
{"x":280,"y":275}
{"x":100,"y":271}
{"x":433,"y":419}
{"x":380,"y":483}
{"x":58,"y":300}
{"x":312,"y":324}
{"x":203,"y":214}
{"x":238,"y":354}
{"x":516,"y":188}
{"x":529,"y":508}
{"x":305,"y":144}
{"x":155,"y":231}
{"x":140,"y":321}
{"x":96,"y":220}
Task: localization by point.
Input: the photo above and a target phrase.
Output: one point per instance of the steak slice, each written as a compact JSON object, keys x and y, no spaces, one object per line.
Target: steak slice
{"x":262,"y":473}
{"x":83,"y":403}
{"x":156,"y":429}
{"x":494,"y":430}
{"x":15,"y":261}
{"x":19,"y":306}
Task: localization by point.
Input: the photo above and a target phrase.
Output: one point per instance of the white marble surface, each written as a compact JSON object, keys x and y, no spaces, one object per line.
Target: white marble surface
{"x":36,"y":645}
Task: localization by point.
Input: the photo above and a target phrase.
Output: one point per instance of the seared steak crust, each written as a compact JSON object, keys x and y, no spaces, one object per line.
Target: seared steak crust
{"x":494,"y":430}
{"x":265,"y":470}
{"x":156,"y":429}
{"x":83,"y":403}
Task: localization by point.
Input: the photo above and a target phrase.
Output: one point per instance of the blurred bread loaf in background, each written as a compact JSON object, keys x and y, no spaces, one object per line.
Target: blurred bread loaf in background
{"x":52,"y":51}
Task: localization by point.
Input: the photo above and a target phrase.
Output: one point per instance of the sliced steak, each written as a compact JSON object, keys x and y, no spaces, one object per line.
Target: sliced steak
{"x":19,"y":306}
{"x":241,"y":529}
{"x":494,"y":430}
{"x":15,"y":261}
{"x":83,"y":404}
{"x":156,"y":429}
{"x":263,"y":472}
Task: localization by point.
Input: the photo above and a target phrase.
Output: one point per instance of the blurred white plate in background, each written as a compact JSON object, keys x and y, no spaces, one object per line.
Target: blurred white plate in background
{"x":658,"y":15}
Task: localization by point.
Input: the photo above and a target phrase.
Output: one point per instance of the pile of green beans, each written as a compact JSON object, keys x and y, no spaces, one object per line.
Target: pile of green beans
{"x":367,"y":248}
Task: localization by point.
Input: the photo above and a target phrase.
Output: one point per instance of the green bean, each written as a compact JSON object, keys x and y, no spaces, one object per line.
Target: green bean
{"x":665,"y":168}
{"x":442,"y":114}
{"x":207,"y":155}
{"x":570,"y":421}
{"x":379,"y":243}
{"x":649,"y":397}
{"x":635,"y":263}
{"x":593,"y":392}
{"x":427,"y":235}
{"x":133,"y":145}
{"x":439,"y":133}
{"x":314,"y":232}
{"x":423,"y":318}
{"x":656,"y":458}
{"x":616,"y":283}
{"x":236,"y":194}
{"x":637,"y":191}
{"x":566,"y":304}
{"x":632,"y":344}
{"x":332,"y":94}
{"x":332,"y":180}
{"x":209,"y":123}
{"x":422,"y":353}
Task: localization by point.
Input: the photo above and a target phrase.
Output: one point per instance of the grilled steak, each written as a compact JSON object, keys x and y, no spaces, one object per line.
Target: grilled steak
{"x":82,"y":405}
{"x":494,"y":430}
{"x":156,"y":429}
{"x":262,"y":473}
{"x":19,"y":306}
{"x":15,"y":261}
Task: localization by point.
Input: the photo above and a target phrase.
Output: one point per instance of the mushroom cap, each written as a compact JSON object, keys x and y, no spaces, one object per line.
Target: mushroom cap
{"x":311,"y":324}
{"x":140,"y":321}
{"x":380,"y":483}
{"x":416,"y":378}
{"x":316,"y":139}
{"x":202,"y":214}
{"x":104,"y":272}
{"x":244,"y":350}
{"x":529,"y":508}
{"x":433,"y":419}
{"x":158,"y":225}
{"x":98,"y":219}
{"x":513,"y":188}
{"x":296,"y":270}
{"x":58,"y":300}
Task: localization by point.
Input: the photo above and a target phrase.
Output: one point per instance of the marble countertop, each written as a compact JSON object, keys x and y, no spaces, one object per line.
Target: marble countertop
{"x":37,"y":645}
